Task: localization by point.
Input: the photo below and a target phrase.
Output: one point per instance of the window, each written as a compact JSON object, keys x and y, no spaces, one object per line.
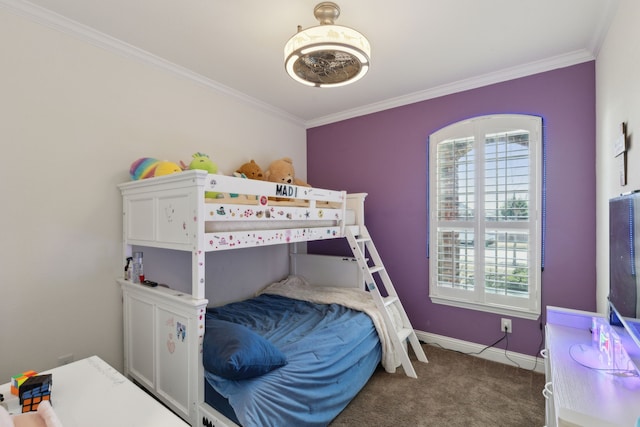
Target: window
{"x":484,"y":203}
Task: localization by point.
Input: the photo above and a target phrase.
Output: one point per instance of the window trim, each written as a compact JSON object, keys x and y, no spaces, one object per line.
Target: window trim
{"x":477,"y":299}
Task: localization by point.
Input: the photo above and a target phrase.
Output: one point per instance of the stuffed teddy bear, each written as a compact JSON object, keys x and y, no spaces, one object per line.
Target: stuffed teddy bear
{"x":281,"y":171}
{"x":251,"y":170}
{"x":203,"y":162}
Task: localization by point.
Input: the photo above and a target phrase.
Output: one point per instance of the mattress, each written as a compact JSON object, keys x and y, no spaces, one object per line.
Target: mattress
{"x":331,"y":352}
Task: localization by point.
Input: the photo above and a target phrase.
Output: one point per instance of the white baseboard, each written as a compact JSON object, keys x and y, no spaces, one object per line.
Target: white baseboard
{"x":511,"y":358}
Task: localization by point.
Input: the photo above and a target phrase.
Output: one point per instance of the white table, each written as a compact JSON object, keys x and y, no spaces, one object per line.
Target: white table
{"x":579,"y":395}
{"x":90,"y":392}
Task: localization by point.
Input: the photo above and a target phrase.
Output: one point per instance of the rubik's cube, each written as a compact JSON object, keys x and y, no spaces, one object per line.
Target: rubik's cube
{"x":35,"y":390}
{"x":17,"y":380}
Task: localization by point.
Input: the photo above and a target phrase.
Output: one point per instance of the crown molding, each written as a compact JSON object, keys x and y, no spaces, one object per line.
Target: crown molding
{"x":85,"y":33}
{"x":560,"y":61}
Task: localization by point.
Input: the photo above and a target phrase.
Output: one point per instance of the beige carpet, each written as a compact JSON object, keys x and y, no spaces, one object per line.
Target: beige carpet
{"x":451,"y":390}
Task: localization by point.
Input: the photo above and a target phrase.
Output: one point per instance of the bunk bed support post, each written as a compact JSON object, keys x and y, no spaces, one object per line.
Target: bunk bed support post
{"x":126,"y":252}
{"x":355,"y":203}
{"x":196,"y":372}
{"x":197,"y":238}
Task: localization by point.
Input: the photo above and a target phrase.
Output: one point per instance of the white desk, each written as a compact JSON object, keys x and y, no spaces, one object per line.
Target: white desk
{"x":89,"y":392}
{"x":583,"y":396}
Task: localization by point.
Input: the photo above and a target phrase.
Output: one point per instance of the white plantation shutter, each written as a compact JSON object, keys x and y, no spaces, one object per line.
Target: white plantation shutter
{"x":484,"y":222}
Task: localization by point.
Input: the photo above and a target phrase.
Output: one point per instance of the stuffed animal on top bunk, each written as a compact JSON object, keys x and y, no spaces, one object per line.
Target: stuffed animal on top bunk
{"x":281,"y":171}
{"x":148,"y":167}
{"x":203,"y":162}
{"x":251,"y":170}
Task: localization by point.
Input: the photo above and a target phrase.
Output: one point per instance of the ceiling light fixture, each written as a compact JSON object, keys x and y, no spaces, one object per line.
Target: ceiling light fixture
{"x":327,"y":55}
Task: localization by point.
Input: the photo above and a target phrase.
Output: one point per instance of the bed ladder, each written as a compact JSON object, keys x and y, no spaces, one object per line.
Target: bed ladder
{"x":361,"y":245}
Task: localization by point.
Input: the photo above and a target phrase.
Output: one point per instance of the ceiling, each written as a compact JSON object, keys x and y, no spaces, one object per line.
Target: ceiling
{"x":420,"y":48}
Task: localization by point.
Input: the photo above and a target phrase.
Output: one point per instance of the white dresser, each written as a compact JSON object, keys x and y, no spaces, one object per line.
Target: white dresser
{"x":578,"y":395}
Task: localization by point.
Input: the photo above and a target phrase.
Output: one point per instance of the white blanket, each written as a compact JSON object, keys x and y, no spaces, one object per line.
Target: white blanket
{"x":297,"y":287}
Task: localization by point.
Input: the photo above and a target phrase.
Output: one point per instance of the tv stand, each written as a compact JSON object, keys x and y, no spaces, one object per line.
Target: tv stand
{"x":576,"y":394}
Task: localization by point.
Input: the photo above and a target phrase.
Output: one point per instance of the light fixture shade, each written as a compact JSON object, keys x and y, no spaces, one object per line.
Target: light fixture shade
{"x":327,"y":55}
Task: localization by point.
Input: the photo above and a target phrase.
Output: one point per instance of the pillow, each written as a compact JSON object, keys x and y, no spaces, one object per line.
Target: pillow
{"x":235,"y":352}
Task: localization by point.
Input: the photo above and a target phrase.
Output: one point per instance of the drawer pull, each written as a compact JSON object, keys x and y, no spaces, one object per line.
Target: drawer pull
{"x":546,"y":391}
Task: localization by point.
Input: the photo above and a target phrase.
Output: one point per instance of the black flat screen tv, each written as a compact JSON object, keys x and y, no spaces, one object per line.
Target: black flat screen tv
{"x":624,"y":261}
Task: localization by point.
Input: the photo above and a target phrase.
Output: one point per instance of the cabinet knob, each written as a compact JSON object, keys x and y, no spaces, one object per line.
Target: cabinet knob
{"x":547,"y":391}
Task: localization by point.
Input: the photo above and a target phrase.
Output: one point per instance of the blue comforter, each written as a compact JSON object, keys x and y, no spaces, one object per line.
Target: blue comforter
{"x":331,"y":352}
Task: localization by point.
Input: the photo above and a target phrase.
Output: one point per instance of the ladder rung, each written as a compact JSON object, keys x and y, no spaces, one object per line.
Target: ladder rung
{"x":390,"y":300}
{"x":362,"y":239}
{"x":375,"y":269}
{"x":404,"y":333}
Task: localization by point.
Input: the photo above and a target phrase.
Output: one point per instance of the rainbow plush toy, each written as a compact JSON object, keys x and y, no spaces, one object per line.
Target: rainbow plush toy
{"x":143,"y":168}
{"x":148,"y":167}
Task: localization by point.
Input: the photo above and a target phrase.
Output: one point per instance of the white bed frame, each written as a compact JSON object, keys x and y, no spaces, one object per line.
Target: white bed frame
{"x":164,"y":328}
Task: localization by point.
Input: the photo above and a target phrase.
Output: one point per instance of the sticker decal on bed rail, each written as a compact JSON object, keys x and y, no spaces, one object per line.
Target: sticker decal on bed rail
{"x":171,"y":345}
{"x":169,"y":211}
{"x":181,"y":331}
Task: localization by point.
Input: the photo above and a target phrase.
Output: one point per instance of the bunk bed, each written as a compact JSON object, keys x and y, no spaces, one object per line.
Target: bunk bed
{"x":173,"y":344}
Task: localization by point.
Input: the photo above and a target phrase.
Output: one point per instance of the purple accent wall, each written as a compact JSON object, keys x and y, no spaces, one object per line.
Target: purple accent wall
{"x":384,"y":154}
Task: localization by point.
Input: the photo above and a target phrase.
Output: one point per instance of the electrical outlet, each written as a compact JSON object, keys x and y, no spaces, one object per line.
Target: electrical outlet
{"x":65,"y":360}
{"x":505,"y":325}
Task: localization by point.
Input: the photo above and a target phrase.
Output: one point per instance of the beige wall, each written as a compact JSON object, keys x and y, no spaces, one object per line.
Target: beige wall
{"x":617,"y":101}
{"x":73,"y":117}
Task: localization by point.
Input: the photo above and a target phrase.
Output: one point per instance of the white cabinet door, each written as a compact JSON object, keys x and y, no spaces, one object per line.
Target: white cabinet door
{"x":173,"y":355}
{"x":139,"y":324}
